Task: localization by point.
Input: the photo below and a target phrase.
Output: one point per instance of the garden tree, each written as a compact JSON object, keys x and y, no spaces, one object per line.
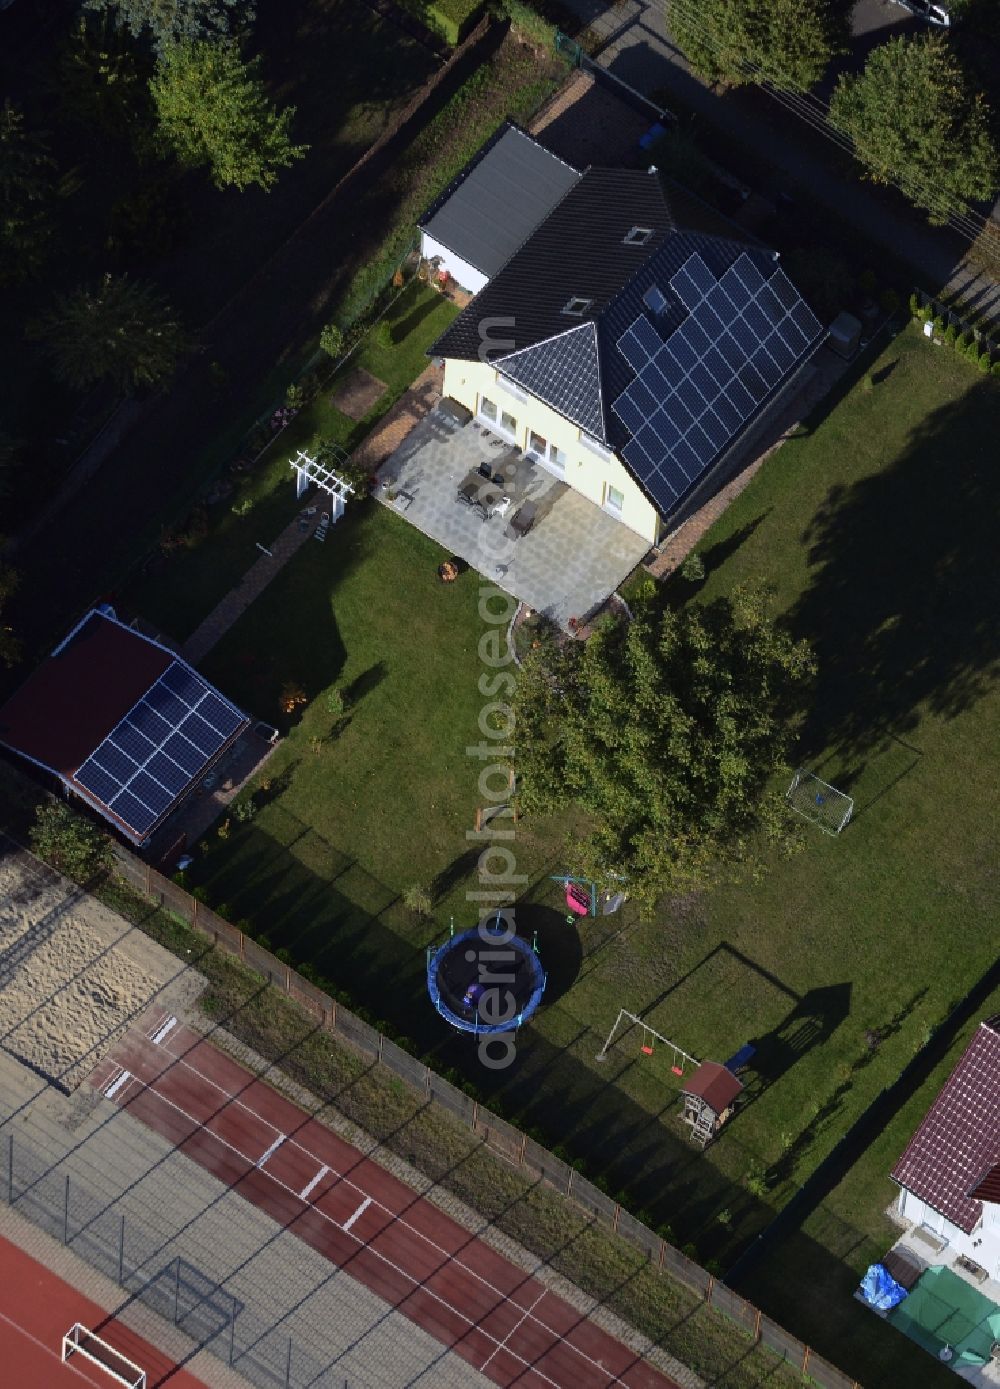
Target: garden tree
{"x":167,"y":22}
{"x":787,"y":42}
{"x":119,"y":331}
{"x":915,"y":121}
{"x":213,"y":109}
{"x":102,"y":82}
{"x":27,"y":185}
{"x":69,"y":843}
{"x":10,"y":647}
{"x":664,"y":731}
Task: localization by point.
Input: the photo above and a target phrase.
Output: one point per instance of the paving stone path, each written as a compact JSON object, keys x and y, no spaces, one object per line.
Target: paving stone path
{"x":391,"y":430}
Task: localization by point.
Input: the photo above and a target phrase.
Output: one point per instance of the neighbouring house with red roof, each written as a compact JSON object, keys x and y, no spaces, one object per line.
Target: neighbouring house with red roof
{"x":121,"y":722}
{"x":949,"y":1175}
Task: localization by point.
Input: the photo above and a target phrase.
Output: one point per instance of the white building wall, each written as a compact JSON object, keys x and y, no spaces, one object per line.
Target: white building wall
{"x":464,"y":274}
{"x":982,"y":1245}
{"x":592,"y":473}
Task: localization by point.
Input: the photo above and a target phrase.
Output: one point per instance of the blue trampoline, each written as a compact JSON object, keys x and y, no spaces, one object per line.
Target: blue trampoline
{"x":470,"y":982}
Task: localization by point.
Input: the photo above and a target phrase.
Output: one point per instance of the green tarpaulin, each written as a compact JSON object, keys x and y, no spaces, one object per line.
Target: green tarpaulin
{"x":942,"y":1309}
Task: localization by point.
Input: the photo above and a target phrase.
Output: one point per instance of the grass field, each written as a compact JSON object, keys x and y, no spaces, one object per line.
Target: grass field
{"x":871,"y":528}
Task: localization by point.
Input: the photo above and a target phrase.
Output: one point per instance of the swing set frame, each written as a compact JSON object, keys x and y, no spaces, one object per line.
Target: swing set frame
{"x":647,"y":1045}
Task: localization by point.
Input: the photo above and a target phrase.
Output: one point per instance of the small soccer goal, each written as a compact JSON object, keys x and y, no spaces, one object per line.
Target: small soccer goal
{"x":80,"y":1341}
{"x":819,"y":802}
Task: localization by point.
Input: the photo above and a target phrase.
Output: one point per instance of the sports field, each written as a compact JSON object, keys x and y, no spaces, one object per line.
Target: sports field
{"x":39,"y":1308}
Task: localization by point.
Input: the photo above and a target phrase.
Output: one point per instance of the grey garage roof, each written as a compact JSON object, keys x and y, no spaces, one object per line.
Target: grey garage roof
{"x":498,"y":200}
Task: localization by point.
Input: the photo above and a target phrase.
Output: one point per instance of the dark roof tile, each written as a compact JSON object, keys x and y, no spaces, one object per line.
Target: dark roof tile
{"x":958,"y":1142}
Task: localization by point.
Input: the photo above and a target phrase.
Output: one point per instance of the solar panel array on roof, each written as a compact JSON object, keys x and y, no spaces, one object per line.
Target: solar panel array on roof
{"x":159,"y":748}
{"x":694,"y":392}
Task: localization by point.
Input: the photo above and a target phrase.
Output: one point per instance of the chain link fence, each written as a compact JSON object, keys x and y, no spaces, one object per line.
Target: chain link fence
{"x":175,"y":1288}
{"x":503,"y":1139}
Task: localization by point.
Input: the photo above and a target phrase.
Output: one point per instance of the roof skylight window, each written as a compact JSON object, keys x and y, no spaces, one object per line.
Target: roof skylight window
{"x":577,"y":306}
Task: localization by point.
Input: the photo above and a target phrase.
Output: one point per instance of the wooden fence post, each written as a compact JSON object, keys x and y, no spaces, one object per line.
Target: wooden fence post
{"x":805,"y":1359}
{"x":708,"y":1290}
{"x":524,"y":1144}
{"x":756,"y":1325}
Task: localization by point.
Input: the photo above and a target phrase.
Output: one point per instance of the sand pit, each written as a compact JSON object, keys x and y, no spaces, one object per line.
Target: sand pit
{"x":73,"y":975}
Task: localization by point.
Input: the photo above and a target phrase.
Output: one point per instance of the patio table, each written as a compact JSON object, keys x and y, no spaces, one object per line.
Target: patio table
{"x":486,"y":496}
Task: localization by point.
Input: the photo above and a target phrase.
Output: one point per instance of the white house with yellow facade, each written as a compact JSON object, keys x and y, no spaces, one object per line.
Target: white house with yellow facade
{"x":629,"y":341}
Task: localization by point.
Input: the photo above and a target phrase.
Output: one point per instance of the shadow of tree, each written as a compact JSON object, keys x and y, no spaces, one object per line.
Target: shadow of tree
{"x":901,"y":608}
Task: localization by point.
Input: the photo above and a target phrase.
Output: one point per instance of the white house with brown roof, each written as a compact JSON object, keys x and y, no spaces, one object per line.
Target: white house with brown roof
{"x":949,"y":1175}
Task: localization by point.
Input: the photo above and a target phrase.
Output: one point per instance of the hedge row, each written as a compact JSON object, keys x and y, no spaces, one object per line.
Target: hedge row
{"x":967,"y":344}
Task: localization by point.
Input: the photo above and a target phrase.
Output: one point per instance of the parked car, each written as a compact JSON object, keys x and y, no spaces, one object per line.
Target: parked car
{"x":927,"y":11}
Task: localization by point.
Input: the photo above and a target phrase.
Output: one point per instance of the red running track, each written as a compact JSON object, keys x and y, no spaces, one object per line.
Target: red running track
{"x":37,"y":1309}
{"x":500,"y":1320}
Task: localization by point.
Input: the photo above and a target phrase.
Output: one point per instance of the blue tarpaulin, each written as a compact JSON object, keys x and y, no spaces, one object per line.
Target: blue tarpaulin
{"x":879,"y":1289}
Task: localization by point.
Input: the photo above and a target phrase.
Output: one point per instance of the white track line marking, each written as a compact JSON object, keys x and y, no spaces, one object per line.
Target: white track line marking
{"x":163,"y":1032}
{"x":501,"y":1344}
{"x":418,"y":1283}
{"x":446,"y":1255}
{"x":48,"y":1349}
{"x":358,"y":1213}
{"x":271,"y":1151}
{"x":119,"y":1082}
{"x":310,"y":1187}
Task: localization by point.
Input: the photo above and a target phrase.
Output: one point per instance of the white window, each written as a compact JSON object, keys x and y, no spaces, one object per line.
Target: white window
{"x":545,"y":453}
{"x":488,"y":409}
{"x":511,"y":388}
{"x":638,"y":236}
{"x":614,"y":500}
{"x":508,"y":422}
{"x":594,"y":446}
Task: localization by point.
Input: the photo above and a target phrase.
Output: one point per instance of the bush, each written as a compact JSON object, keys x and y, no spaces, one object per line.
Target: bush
{"x":915,"y":306}
{"x":972,"y":351}
{"x":452,"y":19}
{"x":995,"y":369}
{"x":985,"y":362}
{"x":68,"y":842}
{"x":532,"y":27}
{"x":331,"y":340}
{"x":867,"y":382}
{"x":693,"y":569}
{"x":962,"y":343}
{"x":243,"y":811}
{"x":417,"y":900}
{"x":335,"y":703}
{"x":382,"y":334}
{"x":295,"y":396}
{"x":938,"y":324}
{"x":950,"y":335}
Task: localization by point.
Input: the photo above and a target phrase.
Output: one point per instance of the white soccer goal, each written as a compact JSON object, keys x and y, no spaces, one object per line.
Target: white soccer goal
{"x":819,"y":802}
{"x":80,"y":1341}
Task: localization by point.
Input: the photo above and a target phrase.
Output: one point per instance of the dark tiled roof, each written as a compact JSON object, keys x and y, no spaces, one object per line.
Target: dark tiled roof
{"x":989,"y":1188}
{"x":714,"y":1084}
{"x":566,"y":368}
{"x":74,"y":699}
{"x":576,"y":251}
{"x":498,"y":199}
{"x":958,"y":1142}
{"x":580,"y":252}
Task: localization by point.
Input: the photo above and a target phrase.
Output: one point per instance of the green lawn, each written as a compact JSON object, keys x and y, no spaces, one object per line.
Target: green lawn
{"x":874,"y":529}
{"x":177,"y":593}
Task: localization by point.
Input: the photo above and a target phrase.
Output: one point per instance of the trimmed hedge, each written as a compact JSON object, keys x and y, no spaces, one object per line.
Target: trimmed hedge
{"x":453,"y":19}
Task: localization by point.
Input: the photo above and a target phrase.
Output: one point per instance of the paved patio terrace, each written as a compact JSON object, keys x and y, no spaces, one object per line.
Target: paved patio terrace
{"x":573,"y":557}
